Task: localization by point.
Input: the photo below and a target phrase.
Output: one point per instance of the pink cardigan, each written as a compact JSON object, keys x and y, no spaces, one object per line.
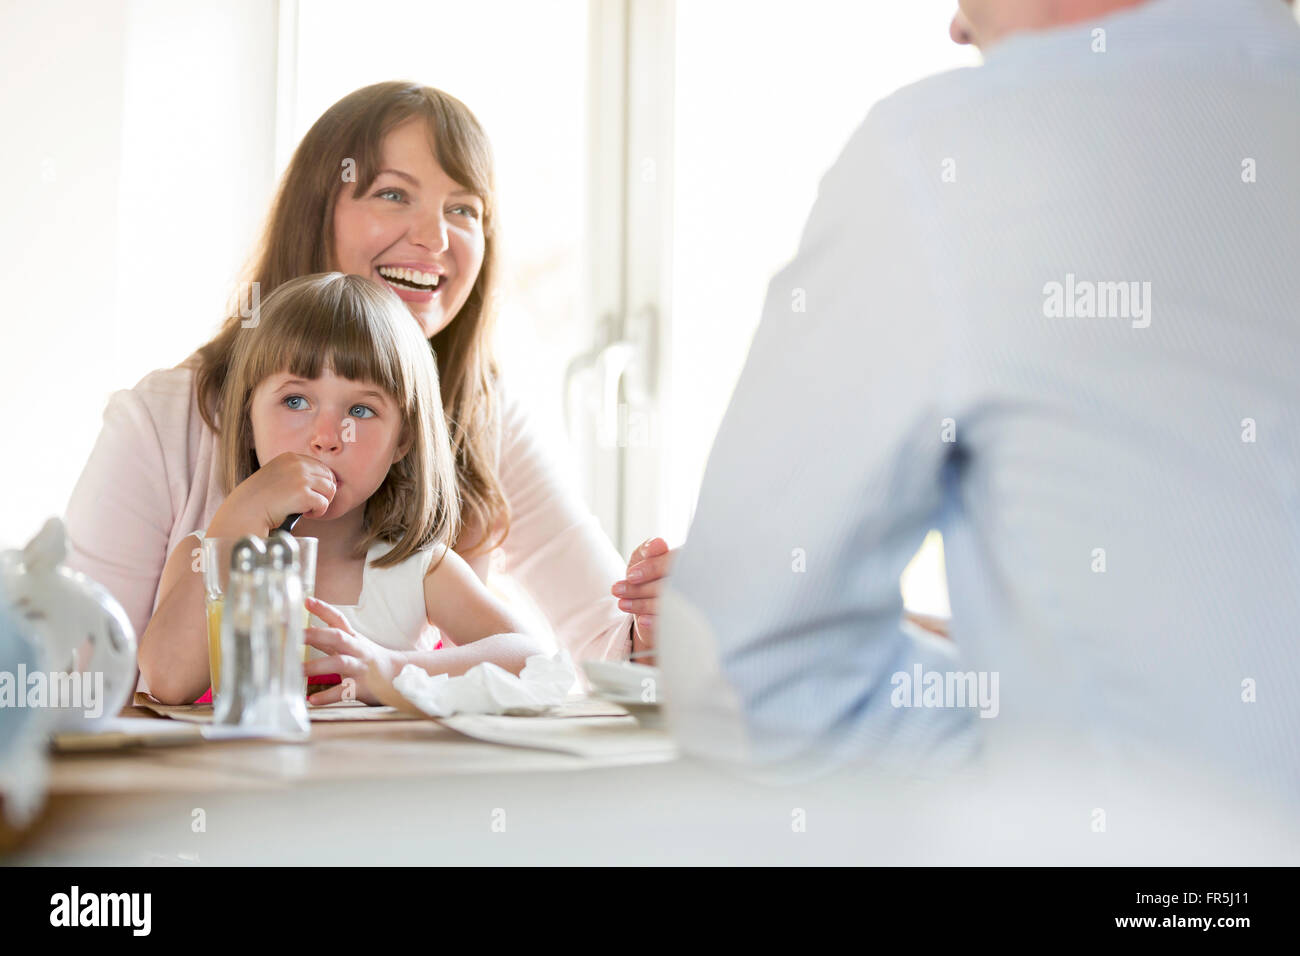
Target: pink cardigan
{"x":152,"y":479}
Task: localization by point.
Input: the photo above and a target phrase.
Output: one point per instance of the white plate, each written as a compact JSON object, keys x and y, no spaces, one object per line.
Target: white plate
{"x":630,"y":701}
{"x":623,"y":682}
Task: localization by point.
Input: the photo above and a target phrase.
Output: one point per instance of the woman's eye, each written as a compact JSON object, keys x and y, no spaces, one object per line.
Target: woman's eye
{"x":471,"y":211}
{"x":290,"y":399}
{"x":395,"y":192}
{"x":362,"y":411}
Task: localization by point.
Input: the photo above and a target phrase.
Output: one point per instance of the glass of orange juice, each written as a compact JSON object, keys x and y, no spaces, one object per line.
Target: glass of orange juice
{"x":216,"y":577}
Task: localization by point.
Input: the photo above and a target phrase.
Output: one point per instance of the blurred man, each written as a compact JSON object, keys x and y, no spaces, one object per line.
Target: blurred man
{"x":1050,"y":306}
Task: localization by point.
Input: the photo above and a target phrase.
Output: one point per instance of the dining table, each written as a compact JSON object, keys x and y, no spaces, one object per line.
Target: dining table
{"x":587,"y":782}
{"x":150,"y":787}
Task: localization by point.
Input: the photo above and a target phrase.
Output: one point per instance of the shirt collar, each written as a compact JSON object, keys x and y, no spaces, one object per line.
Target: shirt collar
{"x":1254,"y":24}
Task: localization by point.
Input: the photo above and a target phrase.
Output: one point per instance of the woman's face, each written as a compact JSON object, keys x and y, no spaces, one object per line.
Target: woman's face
{"x":413,"y":216}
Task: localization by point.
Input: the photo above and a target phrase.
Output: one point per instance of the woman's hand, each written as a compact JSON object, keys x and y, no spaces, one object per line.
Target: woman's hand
{"x":372,"y":667}
{"x":638,"y":593}
{"x":287,"y":484}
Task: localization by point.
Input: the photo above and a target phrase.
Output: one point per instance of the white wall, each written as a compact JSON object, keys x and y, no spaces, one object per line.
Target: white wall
{"x":140,"y":136}
{"x":61,"y":116}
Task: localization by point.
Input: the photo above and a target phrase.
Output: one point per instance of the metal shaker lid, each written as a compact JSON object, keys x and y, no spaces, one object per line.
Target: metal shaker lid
{"x":282,"y":551}
{"x":248,"y":552}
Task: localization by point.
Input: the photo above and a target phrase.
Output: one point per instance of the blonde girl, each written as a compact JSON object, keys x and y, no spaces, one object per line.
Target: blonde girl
{"x":330,"y":409}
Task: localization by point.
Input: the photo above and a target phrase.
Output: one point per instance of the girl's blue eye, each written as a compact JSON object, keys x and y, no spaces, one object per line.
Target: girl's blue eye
{"x":294,"y":398}
{"x":395,"y":192}
{"x":366,"y":411}
{"x":471,"y":211}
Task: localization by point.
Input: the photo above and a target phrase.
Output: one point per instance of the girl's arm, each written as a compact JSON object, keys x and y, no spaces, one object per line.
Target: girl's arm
{"x":457,"y":603}
{"x":482,"y":627}
{"x":173,"y":651}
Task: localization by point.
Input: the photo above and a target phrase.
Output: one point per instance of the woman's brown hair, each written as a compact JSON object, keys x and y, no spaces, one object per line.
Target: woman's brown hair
{"x":361,"y":332}
{"x":296,"y":241}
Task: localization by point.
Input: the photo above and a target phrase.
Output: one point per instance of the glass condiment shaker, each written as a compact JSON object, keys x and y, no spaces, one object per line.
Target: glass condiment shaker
{"x":286,"y":618}
{"x":243,"y":635}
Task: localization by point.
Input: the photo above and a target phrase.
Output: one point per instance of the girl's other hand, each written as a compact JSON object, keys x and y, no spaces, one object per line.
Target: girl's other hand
{"x":370,"y":666}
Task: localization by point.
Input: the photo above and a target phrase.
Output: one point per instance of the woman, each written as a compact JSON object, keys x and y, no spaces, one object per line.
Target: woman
{"x":394,"y":183}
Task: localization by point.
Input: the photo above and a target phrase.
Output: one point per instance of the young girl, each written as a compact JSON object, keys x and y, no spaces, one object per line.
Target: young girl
{"x":331,"y":410}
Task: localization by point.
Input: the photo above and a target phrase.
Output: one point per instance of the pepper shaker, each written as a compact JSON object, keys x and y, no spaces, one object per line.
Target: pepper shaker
{"x":286,"y":617}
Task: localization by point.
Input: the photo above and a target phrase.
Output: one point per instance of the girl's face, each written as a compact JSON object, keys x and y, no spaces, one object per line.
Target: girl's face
{"x":351,"y":427}
{"x":413,"y":216}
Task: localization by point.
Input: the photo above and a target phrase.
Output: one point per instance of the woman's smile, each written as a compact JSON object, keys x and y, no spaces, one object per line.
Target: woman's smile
{"x":413,"y":281}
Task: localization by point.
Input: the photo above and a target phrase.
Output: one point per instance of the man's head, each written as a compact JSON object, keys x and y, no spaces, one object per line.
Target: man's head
{"x":985,"y":22}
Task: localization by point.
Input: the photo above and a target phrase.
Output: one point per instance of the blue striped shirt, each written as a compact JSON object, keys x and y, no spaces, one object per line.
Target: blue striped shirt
{"x":1051,"y":306}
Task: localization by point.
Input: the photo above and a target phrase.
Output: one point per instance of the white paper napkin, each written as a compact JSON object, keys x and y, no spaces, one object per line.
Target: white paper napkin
{"x":488,"y":689}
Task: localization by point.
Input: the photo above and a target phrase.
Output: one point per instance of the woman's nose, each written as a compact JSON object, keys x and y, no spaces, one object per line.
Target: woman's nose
{"x":431,"y":231}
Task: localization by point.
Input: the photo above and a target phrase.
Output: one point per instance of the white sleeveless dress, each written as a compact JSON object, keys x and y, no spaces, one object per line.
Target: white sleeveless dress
{"x":391,"y":610}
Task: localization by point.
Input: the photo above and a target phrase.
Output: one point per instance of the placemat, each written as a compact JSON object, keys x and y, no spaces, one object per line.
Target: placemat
{"x":575,"y":706}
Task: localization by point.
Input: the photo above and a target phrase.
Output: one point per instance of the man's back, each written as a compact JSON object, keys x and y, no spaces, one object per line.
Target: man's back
{"x":1053,"y":309}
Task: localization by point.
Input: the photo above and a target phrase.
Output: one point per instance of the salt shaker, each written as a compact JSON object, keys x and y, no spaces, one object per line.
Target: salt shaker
{"x":243,"y":635}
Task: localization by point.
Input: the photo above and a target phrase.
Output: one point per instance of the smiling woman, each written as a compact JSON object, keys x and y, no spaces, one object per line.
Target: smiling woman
{"x":394,"y":176}
{"x":415,"y":229}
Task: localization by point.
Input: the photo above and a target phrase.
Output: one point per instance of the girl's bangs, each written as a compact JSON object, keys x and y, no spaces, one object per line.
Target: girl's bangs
{"x":340,"y":332}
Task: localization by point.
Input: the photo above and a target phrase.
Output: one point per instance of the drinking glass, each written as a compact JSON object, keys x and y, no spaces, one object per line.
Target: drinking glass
{"x":216,"y":577}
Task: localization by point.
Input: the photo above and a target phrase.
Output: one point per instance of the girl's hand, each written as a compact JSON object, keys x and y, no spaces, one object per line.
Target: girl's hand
{"x":372,"y":667}
{"x":639,"y":592}
{"x":287,"y":484}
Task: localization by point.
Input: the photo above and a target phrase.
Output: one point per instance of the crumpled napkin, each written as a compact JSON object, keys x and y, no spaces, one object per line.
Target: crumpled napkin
{"x":489,"y":689}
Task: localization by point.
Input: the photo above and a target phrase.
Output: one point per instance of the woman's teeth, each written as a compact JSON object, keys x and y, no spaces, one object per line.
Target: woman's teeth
{"x":411,"y":279}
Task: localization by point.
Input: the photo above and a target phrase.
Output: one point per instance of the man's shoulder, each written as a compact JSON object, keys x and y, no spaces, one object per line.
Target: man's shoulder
{"x":915,"y":104}
{"x":1030,"y":77}
{"x":944,"y":105}
{"x":957,"y":102}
